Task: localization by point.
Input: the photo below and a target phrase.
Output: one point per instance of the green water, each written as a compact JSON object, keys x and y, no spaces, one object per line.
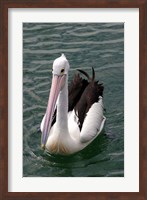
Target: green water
{"x":85,"y":45}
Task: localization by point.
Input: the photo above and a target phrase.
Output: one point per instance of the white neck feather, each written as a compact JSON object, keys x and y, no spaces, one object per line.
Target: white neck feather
{"x":62,"y":109}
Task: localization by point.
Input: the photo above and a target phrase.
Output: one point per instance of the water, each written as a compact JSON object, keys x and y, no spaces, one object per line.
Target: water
{"x":85,"y":45}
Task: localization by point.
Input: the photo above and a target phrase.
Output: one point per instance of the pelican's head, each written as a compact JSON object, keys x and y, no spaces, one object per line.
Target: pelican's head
{"x":60,"y":66}
{"x":60,"y":71}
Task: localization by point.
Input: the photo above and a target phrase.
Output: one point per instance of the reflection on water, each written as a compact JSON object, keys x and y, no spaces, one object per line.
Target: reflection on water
{"x":85,"y":45}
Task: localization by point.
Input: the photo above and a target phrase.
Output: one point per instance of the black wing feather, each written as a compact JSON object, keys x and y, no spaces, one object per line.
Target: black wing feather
{"x":90,"y":95}
{"x":76,"y":89}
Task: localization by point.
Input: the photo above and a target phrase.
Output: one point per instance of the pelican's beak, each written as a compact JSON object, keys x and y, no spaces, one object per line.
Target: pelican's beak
{"x":58,"y":82}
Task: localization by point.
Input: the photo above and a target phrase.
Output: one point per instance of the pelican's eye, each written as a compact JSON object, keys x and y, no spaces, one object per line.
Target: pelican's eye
{"x":62,"y":70}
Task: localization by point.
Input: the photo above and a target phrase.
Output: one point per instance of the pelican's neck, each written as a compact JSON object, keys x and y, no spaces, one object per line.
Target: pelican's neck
{"x":62,"y":108}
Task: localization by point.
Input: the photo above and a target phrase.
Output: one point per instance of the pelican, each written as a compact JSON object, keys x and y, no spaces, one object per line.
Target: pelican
{"x":74,"y":117}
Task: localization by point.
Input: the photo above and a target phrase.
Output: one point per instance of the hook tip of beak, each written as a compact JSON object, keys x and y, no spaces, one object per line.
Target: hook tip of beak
{"x":43,"y":146}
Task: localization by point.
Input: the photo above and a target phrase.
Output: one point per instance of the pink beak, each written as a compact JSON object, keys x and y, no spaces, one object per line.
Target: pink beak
{"x":58,"y":82}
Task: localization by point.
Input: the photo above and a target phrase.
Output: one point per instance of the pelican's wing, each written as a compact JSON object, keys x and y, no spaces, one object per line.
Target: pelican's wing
{"x":93,"y":122}
{"x":92,"y":93}
{"x":89,"y":111}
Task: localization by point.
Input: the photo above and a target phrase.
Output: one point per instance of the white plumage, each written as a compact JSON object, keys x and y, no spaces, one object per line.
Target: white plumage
{"x":65,"y":135}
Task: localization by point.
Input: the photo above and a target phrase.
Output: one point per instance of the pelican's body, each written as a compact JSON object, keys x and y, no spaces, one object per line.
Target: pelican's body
{"x":74,"y":116}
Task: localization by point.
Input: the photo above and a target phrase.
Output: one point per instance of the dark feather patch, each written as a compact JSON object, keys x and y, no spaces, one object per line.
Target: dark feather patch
{"x":76,"y":88}
{"x":88,"y":98}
